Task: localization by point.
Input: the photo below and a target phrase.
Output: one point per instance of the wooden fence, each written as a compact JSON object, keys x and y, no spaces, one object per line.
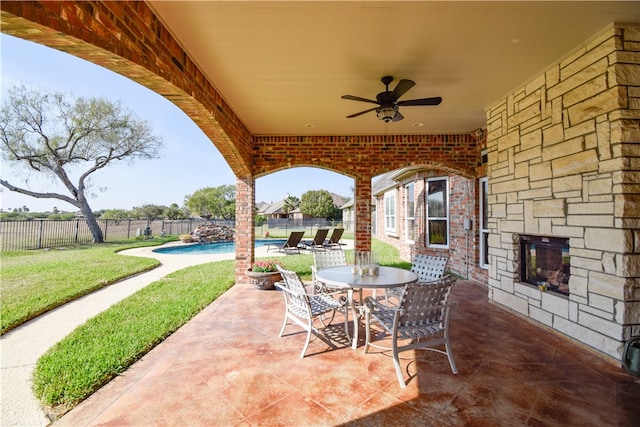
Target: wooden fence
{"x":43,"y":233}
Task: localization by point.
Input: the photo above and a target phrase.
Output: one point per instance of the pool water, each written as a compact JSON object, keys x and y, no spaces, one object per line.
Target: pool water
{"x":213,"y":248}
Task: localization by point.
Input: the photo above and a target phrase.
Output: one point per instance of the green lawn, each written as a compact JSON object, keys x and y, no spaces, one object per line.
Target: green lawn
{"x":34,"y":282}
{"x":109,"y":343}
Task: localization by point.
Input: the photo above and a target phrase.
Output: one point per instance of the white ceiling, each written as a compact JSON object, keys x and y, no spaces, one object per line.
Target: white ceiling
{"x":283,"y":66}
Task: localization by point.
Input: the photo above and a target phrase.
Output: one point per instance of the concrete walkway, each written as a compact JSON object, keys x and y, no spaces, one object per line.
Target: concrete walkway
{"x":21,"y":348}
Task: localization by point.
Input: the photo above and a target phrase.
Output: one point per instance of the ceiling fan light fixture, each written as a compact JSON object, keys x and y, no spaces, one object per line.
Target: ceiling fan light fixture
{"x":387,"y":101}
{"x":386,"y":113}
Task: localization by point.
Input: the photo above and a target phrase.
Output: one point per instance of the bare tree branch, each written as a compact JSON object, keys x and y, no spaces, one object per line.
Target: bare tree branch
{"x":38,"y":195}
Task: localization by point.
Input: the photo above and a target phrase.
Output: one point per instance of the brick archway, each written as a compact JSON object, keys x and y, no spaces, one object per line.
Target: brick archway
{"x":127,"y":38}
{"x":366,"y":155}
{"x":141,"y":49}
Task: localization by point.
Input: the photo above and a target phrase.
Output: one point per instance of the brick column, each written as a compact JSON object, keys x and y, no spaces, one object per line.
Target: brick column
{"x":245,"y":231}
{"x":363,"y":213}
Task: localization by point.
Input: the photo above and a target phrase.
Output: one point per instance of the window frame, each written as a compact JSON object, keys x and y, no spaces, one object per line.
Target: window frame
{"x":410,"y":212}
{"x":483,"y":217}
{"x":390,"y":211}
{"x":430,"y":218}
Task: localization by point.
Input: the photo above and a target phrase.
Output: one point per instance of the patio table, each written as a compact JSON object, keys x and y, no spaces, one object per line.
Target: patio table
{"x":343,"y":277}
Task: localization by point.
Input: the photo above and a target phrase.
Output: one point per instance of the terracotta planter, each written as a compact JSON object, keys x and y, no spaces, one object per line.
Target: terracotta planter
{"x":263,"y":281}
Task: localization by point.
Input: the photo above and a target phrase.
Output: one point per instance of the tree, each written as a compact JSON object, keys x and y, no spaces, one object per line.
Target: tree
{"x":319,"y":204}
{"x":291,"y":203}
{"x":59,"y":137}
{"x":173,"y":212}
{"x":149,"y":212}
{"x":15,"y":215}
{"x":117,"y":215}
{"x":62,"y":216}
{"x":213,"y":202}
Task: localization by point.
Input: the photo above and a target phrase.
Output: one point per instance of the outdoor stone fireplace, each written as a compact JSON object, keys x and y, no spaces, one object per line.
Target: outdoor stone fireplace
{"x":545,"y":263}
{"x":564,"y":199}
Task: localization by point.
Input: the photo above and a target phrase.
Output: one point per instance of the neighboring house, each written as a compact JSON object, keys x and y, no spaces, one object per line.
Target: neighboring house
{"x":297,"y":215}
{"x":261,"y":207}
{"x":275,"y":210}
{"x":348,"y":215}
{"x":338,"y":200}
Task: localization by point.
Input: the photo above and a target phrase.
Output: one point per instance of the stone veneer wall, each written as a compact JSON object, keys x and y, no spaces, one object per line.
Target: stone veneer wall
{"x":564,"y":160}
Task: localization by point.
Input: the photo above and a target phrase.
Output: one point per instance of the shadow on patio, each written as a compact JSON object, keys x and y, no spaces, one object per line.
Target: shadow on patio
{"x":228,"y":367}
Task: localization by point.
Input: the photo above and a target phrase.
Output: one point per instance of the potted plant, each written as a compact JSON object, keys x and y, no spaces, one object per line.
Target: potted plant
{"x":264,"y":274}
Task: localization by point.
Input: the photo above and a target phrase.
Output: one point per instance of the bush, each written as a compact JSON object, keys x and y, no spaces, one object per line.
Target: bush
{"x":186,"y":238}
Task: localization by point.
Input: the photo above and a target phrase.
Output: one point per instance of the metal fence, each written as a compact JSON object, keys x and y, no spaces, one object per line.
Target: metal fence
{"x":286,"y":225}
{"x":43,"y":233}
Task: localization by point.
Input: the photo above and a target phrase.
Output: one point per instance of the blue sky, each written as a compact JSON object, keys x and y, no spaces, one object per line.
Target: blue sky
{"x":189,"y":160}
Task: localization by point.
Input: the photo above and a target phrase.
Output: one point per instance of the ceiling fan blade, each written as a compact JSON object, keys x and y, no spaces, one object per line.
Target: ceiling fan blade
{"x":357,"y":98}
{"x":402,"y":87}
{"x":361,"y":113}
{"x":397,"y":117}
{"x":422,"y":101}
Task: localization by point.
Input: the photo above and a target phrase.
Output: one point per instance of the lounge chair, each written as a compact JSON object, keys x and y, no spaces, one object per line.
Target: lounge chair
{"x":318,"y":240}
{"x":333,"y":242}
{"x":291,"y":245}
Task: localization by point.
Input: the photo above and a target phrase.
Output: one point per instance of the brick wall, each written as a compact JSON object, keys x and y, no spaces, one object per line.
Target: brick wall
{"x":563,"y":161}
{"x":363,"y":157}
{"x":463,"y":251}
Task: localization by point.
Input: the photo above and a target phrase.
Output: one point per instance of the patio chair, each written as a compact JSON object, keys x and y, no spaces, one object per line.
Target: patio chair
{"x":304,"y":309}
{"x":423,"y":313}
{"x":318,"y":240}
{"x":333,"y":242}
{"x":326,"y":259}
{"x":427,"y":267}
{"x":291,"y":245}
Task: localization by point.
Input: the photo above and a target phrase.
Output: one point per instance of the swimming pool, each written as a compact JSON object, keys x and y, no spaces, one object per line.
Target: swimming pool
{"x":212,"y":248}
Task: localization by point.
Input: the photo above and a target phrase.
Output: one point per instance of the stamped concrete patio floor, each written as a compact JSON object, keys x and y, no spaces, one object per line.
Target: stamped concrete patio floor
{"x":228,"y":367}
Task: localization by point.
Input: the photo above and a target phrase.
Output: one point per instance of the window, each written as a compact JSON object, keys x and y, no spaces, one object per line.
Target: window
{"x":409,"y":213}
{"x":390,"y":211}
{"x":438,"y":212}
{"x":484,"y":222}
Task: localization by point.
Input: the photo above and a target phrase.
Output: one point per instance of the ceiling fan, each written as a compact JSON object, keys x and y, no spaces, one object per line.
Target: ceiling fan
{"x":387,"y":101}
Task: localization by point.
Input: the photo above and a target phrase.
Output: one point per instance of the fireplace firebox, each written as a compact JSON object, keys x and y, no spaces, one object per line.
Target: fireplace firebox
{"x":545,"y":262}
